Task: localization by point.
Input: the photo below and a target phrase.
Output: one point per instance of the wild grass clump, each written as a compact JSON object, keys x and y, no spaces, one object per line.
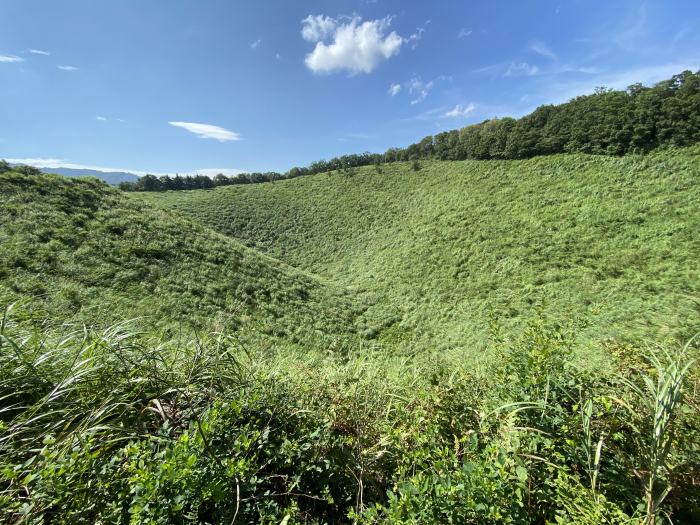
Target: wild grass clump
{"x":658,"y":398}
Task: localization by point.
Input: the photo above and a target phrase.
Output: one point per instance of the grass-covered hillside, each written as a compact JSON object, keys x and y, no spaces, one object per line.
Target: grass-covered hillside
{"x":78,"y":250}
{"x":333,"y":379}
{"x":446,"y":246}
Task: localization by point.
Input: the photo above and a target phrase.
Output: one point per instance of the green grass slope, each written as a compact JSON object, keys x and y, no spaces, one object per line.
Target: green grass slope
{"x":121,"y":422}
{"x":81,"y":251}
{"x":445,"y":245}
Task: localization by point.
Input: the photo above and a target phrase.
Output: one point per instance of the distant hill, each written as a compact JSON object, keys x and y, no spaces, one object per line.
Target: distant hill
{"x":110,"y":177}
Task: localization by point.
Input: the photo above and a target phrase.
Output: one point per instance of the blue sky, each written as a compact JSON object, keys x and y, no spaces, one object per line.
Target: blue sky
{"x":184,"y":86}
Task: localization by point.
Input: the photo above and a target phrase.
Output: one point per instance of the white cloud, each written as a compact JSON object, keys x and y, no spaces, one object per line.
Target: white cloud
{"x":648,"y":75}
{"x":39,"y":52}
{"x":463,"y":33}
{"x":10,"y":58}
{"x":103,"y":119}
{"x":592,"y":70}
{"x":207,"y":131}
{"x":38,"y":162}
{"x":493,"y":68}
{"x":417,"y":36}
{"x":278,"y":56}
{"x":460,"y":111}
{"x":518,"y":69}
{"x":543,"y":50}
{"x":317,"y":28}
{"x":67,"y":68}
{"x":355,"y":46}
{"x":62,"y":163}
{"x":256,"y":44}
{"x":512,"y":69}
{"x":419,"y":88}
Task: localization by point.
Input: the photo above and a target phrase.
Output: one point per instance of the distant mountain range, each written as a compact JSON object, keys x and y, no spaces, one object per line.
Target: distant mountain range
{"x":110,"y":177}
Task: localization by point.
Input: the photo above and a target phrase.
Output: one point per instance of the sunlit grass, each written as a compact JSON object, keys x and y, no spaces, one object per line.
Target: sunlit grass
{"x":435,"y":251}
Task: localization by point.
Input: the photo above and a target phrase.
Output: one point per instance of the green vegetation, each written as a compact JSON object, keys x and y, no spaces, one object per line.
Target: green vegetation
{"x":79,"y":251}
{"x":608,"y":122}
{"x":112,"y":427}
{"x":437,"y":252}
{"x":426,"y":341}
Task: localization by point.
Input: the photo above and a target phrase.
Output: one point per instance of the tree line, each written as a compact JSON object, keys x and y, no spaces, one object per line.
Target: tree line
{"x":196,"y":182}
{"x":607,"y":122}
{"x":25,"y":170}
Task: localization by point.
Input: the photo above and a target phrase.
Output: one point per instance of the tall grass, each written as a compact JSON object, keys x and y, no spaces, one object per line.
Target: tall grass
{"x":660,"y":395}
{"x":110,"y":424}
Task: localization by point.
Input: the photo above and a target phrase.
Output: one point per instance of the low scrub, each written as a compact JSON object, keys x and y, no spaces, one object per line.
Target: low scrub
{"x":114,"y":426}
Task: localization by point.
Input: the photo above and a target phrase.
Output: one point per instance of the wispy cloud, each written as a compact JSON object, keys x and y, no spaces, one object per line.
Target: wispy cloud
{"x":459,"y":111}
{"x":208,"y":131}
{"x":103,"y":119}
{"x":556,"y":92}
{"x":493,"y":68}
{"x":464,"y":32}
{"x":10,"y":58}
{"x":588,"y":70}
{"x":416,"y":87}
{"x":67,"y":68}
{"x":256,"y":44}
{"x":525,"y":69}
{"x":509,"y":69}
{"x":39,"y":52}
{"x":543,"y":50}
{"x":355,"y":136}
{"x":394,"y":89}
{"x":680,"y":35}
{"x":419,"y":89}
{"x":48,"y":163}
{"x":518,"y":69}
{"x":416,"y":37}
{"x":354,"y":46}
{"x":627,"y":36}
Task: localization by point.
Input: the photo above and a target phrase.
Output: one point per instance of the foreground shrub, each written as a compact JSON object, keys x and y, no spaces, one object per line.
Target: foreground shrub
{"x":114,"y":426}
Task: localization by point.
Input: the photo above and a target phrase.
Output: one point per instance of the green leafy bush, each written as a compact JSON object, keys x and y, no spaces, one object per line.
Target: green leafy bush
{"x":116,"y":426}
